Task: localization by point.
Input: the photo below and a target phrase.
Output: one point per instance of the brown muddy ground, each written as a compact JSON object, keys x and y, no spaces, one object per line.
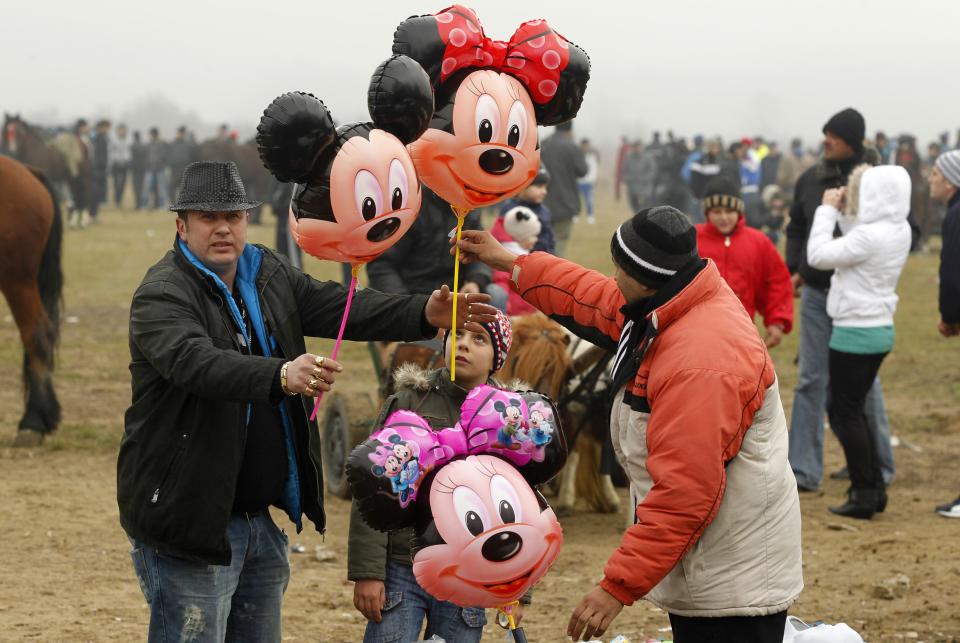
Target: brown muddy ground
{"x":65,"y":572}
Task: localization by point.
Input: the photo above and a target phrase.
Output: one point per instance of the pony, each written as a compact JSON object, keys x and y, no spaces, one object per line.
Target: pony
{"x":568,"y":370}
{"x":31,"y":279}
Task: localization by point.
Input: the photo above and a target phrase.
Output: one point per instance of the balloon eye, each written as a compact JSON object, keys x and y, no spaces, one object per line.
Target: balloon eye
{"x":369,"y":208}
{"x":506,"y":512}
{"x":397,"y":201}
{"x":474,"y":523}
{"x":485,"y":131}
{"x":513,"y":137}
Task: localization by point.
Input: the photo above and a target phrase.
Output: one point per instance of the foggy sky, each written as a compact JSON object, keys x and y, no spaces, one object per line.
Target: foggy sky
{"x":728,"y":67}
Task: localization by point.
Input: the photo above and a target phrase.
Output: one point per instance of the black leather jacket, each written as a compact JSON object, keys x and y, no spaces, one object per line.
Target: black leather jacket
{"x":193,"y":378}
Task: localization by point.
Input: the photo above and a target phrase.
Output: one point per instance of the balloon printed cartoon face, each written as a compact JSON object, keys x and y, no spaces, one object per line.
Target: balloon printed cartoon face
{"x":375,"y":193}
{"x":484,"y":536}
{"x":358,"y":189}
{"x":482,"y":144}
{"x":497,"y":540}
{"x":492,"y":151}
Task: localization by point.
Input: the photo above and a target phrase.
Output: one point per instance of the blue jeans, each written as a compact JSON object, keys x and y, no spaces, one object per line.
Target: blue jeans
{"x":191,"y":601}
{"x":810,"y":397}
{"x":406,"y":606}
{"x":155,"y":185}
{"x":586,"y":192}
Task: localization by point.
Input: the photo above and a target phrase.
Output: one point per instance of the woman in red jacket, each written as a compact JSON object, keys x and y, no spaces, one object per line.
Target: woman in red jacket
{"x":746,"y":258}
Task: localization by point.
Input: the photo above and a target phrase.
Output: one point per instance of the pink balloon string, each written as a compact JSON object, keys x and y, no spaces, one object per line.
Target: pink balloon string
{"x":343,"y":325}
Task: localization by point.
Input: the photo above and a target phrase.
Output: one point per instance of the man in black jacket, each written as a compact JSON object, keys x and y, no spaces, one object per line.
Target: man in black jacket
{"x":217,"y":430}
{"x":944,"y":183}
{"x":843,"y":150}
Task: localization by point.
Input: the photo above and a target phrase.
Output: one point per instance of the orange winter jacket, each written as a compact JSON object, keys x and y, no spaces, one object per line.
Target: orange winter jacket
{"x":702,"y":436}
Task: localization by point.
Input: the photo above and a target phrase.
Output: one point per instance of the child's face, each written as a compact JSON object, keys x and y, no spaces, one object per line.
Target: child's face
{"x":474,"y":357}
{"x":723,"y":219}
{"x":534,"y":193}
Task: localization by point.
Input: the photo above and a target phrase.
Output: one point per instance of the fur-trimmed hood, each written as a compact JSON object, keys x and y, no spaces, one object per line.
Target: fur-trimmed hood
{"x":416,"y":378}
{"x":876,"y":193}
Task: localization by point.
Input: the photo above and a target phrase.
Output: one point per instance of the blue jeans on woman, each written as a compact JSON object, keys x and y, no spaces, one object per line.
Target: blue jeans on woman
{"x":810,"y":397}
{"x":192,"y":601}
{"x":407,"y":604}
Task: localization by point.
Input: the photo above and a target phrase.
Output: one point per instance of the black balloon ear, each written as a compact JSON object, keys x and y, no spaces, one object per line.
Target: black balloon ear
{"x":570,"y":89}
{"x":294,"y":131}
{"x":419,"y":38}
{"x":400,"y":98}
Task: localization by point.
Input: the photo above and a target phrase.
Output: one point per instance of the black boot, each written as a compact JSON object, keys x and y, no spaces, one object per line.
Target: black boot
{"x":881,"y":500}
{"x":861,"y":503}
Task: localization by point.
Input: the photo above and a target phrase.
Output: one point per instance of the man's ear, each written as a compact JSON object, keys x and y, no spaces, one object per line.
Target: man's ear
{"x":182,"y":228}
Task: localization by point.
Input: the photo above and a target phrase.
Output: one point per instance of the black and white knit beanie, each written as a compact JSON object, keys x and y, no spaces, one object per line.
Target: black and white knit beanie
{"x":722,"y":192}
{"x":654,"y":245}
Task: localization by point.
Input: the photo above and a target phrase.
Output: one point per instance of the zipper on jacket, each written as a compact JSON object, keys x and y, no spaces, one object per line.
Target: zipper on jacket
{"x":169,"y":469}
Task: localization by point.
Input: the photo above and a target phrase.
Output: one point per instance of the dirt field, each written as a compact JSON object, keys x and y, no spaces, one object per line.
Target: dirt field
{"x":65,"y":572}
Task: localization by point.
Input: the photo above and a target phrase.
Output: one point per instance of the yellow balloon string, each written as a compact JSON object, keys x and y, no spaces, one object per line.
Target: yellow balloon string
{"x":461,"y":215}
{"x":507,"y":610}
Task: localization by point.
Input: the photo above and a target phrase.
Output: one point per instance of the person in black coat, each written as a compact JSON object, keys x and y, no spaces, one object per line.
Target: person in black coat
{"x":420,"y":262}
{"x":944,"y":183}
{"x":218,"y":429}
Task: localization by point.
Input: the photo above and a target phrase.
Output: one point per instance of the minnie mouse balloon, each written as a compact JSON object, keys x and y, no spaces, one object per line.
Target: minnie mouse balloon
{"x":359,"y":191}
{"x":482,"y":145}
{"x":484,"y":535}
{"x":491,"y":536}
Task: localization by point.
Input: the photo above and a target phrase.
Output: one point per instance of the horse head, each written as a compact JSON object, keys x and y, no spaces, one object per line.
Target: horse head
{"x":539,"y":354}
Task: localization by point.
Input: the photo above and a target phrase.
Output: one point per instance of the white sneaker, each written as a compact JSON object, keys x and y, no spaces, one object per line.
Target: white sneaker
{"x":576,"y":218}
{"x":950,"y":509}
{"x":591,"y":220}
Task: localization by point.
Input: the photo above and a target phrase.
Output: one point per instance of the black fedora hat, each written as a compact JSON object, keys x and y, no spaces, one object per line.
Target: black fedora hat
{"x":212,"y":186}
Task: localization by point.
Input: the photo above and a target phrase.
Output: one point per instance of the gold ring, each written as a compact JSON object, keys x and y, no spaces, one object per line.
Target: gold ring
{"x":313,"y":383}
{"x":318,"y":360}
{"x":318,"y":373}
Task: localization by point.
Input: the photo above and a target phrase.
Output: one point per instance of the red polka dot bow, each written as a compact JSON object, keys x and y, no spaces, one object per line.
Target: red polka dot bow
{"x":535,"y":55}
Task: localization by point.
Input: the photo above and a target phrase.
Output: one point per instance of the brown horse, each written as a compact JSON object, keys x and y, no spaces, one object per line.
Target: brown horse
{"x":31,"y":236}
{"x":544,"y":355}
{"x":27,"y":144}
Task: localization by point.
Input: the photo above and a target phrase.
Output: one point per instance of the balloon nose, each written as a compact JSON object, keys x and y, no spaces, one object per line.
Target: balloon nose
{"x":383,"y":230}
{"x":501,"y":546}
{"x":496,"y":161}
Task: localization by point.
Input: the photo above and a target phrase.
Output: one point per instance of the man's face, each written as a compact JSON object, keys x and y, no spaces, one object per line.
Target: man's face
{"x":940,"y":188}
{"x":121,"y":131}
{"x":835,"y":148}
{"x":215,"y":238}
{"x":723,"y":219}
{"x":632,"y":289}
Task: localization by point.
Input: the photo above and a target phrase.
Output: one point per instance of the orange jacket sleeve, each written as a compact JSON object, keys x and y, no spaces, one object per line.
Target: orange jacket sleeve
{"x":567,"y":291}
{"x":696,"y":425}
{"x":776,"y":303}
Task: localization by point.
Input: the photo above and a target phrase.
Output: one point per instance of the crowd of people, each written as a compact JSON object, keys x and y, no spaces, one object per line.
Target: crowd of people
{"x":694,"y":264}
{"x":102,"y":161}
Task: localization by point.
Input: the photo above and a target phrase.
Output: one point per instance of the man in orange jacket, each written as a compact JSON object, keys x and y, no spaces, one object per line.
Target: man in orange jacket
{"x":696,"y":423}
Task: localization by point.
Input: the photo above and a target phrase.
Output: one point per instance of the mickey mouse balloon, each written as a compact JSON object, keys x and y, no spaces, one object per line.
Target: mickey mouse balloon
{"x":482,"y":144}
{"x":358,"y":189}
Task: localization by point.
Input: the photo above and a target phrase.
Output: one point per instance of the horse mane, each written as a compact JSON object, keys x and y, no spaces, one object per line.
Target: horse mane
{"x":539,"y":354}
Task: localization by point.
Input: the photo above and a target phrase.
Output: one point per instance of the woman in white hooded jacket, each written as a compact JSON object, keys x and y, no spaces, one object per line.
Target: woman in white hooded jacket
{"x":867,"y":260}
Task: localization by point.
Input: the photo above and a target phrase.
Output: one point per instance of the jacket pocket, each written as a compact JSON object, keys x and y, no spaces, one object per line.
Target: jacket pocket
{"x":169,"y":469}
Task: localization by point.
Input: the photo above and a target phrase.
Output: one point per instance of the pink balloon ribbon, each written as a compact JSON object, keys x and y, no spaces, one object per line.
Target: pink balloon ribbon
{"x":354,"y":271}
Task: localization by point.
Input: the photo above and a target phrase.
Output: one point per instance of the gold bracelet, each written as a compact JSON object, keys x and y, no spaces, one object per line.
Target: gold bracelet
{"x":283,"y":379}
